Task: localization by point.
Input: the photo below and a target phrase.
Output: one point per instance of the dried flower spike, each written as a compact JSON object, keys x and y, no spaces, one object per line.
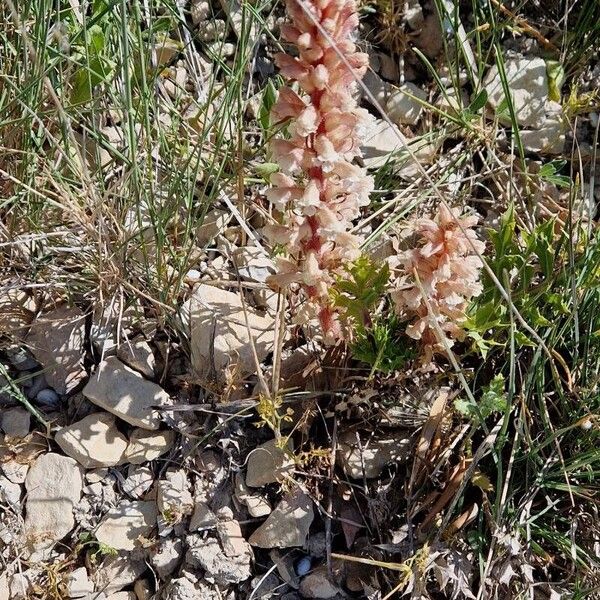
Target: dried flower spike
{"x":445,"y":270}
{"x":318,"y":189}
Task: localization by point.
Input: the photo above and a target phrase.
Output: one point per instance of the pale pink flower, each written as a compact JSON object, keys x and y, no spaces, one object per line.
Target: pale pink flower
{"x":437,"y":279}
{"x":319,"y":191}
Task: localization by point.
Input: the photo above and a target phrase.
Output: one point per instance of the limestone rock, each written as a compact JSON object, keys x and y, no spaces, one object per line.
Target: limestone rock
{"x":219,"y":337}
{"x":287,"y":526}
{"x":139,"y":356}
{"x":77,"y":583}
{"x":549,"y":138}
{"x":220,"y":568}
{"x":528,"y":83}
{"x":56,"y":339}
{"x":54,"y":485}
{"x":125,"y":393}
{"x":199,"y":11}
{"x":167,"y":557}
{"x":401,"y":103}
{"x":373,"y":454}
{"x":146,"y":445}
{"x":268,"y":464}
{"x":122,"y":526}
{"x":116,"y":572}
{"x":15,"y":422}
{"x":215,"y":221}
{"x":318,"y":585}
{"x":257,"y":505}
{"x":252,"y":263}
{"x":16,"y":312}
{"x":202,"y":517}
{"x":174,"y":498}
{"x":232,"y":540}
{"x":380,"y":143}
{"x":94,"y":441}
{"x":138,"y":482}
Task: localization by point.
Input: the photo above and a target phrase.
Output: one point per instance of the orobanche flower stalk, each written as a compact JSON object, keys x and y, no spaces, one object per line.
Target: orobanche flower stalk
{"x":438,"y":279}
{"x":318,"y":190}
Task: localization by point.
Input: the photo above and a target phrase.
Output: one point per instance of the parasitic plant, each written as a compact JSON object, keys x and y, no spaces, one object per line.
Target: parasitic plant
{"x":318,"y":190}
{"x":438,"y":278}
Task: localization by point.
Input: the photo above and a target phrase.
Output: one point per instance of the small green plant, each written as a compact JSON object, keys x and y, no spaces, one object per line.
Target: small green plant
{"x":525,"y":263}
{"x":100,"y":549}
{"x":270,"y":411}
{"x":493,"y":400}
{"x":376,"y":339}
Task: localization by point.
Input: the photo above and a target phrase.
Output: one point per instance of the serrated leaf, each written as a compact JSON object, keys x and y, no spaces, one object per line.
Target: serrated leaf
{"x":482,"y":481}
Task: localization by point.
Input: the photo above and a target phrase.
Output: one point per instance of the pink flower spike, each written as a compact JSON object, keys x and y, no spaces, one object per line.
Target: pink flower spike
{"x":446,"y":267}
{"x":319,"y":190}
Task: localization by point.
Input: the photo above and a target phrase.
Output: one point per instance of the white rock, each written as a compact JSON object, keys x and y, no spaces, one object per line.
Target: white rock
{"x":232,"y":540}
{"x":53,"y":484}
{"x":381,"y":141}
{"x":528,"y":83}
{"x":220,"y":568}
{"x":94,"y":441}
{"x":116,"y":572}
{"x":548,"y":139}
{"x":202,"y":517}
{"x":216,"y":324}
{"x":139,"y":356}
{"x":199,"y":11}
{"x":78,"y":584}
{"x":145,"y":445}
{"x":123,"y":526}
{"x":287,"y":526}
{"x":268,"y":464}
{"x":403,"y":106}
{"x":401,"y":103}
{"x":413,"y":14}
{"x":122,"y":596}
{"x":15,"y":422}
{"x":16,"y":312}
{"x":209,"y":31}
{"x":96,"y":475}
{"x":19,"y":587}
{"x":14,"y":471}
{"x":56,"y":339}
{"x":167,"y":557}
{"x":257,"y":505}
{"x":125,"y":393}
{"x":317,"y":585}
{"x":252,"y":264}
{"x":9,"y":492}
{"x":374,"y":455}
{"x":174,"y":498}
{"x":4,"y":588}
{"x":215,"y":221}
{"x":138,"y":482}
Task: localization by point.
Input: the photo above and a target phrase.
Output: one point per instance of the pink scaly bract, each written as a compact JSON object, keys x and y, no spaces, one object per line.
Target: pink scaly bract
{"x":318,"y":189}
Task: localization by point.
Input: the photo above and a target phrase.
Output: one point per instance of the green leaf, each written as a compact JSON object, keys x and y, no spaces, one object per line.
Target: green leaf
{"x":556,"y":78}
{"x":549,"y":172}
{"x":265,"y":170}
{"x":479,"y":102}
{"x":268,"y":99}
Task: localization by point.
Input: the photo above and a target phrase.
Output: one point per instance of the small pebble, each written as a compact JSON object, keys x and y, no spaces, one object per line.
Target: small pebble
{"x":303,"y":566}
{"x":48,"y":397}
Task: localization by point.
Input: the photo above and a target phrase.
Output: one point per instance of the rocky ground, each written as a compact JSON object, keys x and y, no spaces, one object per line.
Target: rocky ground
{"x":139,"y":458}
